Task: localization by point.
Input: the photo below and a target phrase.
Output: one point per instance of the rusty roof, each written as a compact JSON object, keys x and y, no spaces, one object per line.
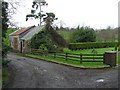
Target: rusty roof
{"x":19,"y":31}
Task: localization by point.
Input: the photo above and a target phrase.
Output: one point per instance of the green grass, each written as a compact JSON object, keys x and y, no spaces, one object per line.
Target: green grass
{"x":66,"y":34}
{"x":99,"y":51}
{"x":0,"y":78}
{"x":61,"y":59}
{"x":71,"y":62}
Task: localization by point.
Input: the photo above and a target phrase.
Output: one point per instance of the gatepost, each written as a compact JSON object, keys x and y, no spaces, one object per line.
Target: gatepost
{"x":110,"y":58}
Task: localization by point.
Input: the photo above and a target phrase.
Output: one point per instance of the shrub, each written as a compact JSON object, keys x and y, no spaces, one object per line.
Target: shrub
{"x":5,"y":63}
{"x":119,"y":48}
{"x":83,"y":34}
{"x":90,"y":45}
{"x":115,"y":47}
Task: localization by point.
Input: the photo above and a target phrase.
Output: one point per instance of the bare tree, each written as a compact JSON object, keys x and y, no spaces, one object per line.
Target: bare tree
{"x":12,"y":10}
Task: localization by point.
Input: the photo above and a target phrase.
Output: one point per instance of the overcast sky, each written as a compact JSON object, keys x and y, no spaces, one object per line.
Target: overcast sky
{"x":94,"y":13}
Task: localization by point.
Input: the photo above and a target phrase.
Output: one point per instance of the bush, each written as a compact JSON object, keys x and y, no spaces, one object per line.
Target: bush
{"x":83,"y":34}
{"x":115,"y":47}
{"x":119,"y":48}
{"x":5,"y":63}
{"x":90,"y":45}
{"x":5,"y":50}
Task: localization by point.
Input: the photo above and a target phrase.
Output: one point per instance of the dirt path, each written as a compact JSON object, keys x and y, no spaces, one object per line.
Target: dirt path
{"x":33,"y":73}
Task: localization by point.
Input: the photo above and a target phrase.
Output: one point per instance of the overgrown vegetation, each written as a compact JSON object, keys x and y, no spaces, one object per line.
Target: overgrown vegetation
{"x":47,"y":39}
{"x":5,"y":75}
{"x":5,"y":48}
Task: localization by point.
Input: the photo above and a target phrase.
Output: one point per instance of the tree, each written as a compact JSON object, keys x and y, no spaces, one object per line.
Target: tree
{"x":12,"y":9}
{"x":4,"y":18}
{"x":48,"y":37}
{"x":49,"y":19}
{"x":36,"y":5}
{"x":4,"y":27}
{"x":84,"y":34}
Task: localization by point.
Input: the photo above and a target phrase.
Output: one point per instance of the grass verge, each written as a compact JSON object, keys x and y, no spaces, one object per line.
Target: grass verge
{"x":5,"y":75}
{"x":61,"y":60}
{"x":73,"y":62}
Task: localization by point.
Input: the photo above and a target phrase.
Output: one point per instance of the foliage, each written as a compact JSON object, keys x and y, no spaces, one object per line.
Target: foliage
{"x":48,"y":37}
{"x":119,"y":48}
{"x":89,"y":45}
{"x":4,"y":27}
{"x":6,"y":39}
{"x":66,"y":34}
{"x":5,"y":63}
{"x":5,"y":48}
{"x":47,"y":40}
{"x":108,"y":34}
{"x":5,"y":76}
{"x":84,"y":34}
{"x":102,"y":35}
{"x":48,"y":18}
{"x":57,"y":39}
{"x":42,"y":47}
{"x":4,"y":18}
{"x":116,"y":47}
{"x":88,"y":51}
{"x":42,"y":41}
{"x":94,"y":51}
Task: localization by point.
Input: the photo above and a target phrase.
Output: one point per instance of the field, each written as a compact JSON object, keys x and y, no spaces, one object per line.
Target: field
{"x":65,"y":34}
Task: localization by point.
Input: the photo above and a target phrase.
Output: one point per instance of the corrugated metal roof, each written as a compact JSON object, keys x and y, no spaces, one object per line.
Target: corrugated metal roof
{"x":32,"y":32}
{"x":19,"y":31}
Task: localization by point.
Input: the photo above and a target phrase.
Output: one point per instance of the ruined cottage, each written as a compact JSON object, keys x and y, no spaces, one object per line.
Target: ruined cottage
{"x":19,"y":38}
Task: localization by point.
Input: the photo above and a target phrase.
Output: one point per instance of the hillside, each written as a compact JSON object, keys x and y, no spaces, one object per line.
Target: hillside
{"x":66,"y":34}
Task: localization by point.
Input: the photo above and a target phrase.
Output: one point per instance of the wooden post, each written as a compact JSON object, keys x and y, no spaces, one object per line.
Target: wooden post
{"x":80,"y":58}
{"x":104,"y":58}
{"x":66,"y":56}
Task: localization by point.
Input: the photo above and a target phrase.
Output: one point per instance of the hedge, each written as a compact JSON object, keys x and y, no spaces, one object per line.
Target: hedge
{"x":90,"y":45}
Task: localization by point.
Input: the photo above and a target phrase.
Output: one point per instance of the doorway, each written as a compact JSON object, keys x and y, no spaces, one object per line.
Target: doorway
{"x":21,"y":47}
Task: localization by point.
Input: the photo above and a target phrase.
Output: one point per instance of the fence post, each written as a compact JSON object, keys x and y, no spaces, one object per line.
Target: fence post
{"x":54,"y":54}
{"x":80,"y":58}
{"x":104,"y":58}
{"x":66,"y":56}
